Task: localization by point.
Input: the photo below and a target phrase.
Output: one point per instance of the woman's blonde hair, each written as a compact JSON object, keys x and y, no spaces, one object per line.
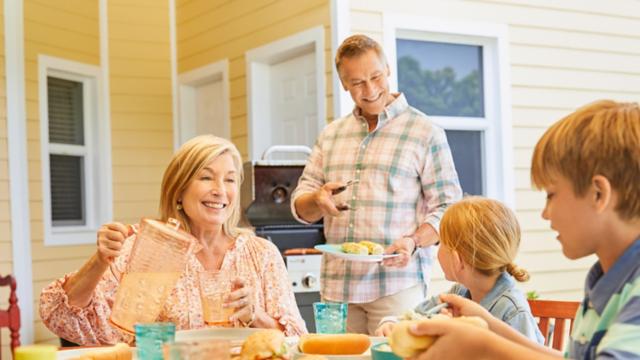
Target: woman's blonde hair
{"x":185,"y":165}
{"x":485,"y":233}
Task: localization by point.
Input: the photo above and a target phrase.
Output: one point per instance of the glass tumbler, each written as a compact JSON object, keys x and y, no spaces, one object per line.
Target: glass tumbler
{"x":214,"y":287}
{"x":331,"y":318}
{"x":151,"y":337}
{"x":158,"y":258}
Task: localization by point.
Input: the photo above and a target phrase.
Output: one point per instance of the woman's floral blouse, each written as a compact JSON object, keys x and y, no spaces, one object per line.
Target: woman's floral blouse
{"x":254,"y":259}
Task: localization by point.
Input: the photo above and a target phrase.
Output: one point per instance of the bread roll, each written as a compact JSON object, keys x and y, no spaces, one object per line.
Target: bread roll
{"x":405,"y":344}
{"x":334,"y":344}
{"x":264,"y":344}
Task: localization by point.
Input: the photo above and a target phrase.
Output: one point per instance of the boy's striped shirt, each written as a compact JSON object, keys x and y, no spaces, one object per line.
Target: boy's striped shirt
{"x":607,"y":324}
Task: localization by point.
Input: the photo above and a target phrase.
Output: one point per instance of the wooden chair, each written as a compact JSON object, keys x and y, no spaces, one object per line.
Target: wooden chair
{"x":560,"y":312}
{"x":10,"y":317}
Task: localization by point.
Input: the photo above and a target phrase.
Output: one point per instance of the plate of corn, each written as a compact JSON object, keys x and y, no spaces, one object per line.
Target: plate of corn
{"x":364,"y":251}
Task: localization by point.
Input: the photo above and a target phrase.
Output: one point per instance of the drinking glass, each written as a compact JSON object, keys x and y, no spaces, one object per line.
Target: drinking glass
{"x":214,"y":287}
{"x":150,"y":338}
{"x":331,"y":318}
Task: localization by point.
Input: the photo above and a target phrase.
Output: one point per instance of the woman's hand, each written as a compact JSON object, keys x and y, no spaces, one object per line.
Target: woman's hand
{"x":242,"y":300}
{"x":110,"y":239}
{"x":385,"y":329}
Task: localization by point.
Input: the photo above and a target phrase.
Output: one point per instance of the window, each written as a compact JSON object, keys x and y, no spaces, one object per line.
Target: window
{"x":452,"y":72}
{"x":75,"y":163}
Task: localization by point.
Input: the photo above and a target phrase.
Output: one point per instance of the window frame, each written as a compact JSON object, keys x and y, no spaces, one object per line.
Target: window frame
{"x":96,"y":161}
{"x":496,"y":127}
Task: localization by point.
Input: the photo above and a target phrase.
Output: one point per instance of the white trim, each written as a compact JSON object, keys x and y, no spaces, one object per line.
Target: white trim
{"x":95,"y":151}
{"x":105,"y":195}
{"x":18,"y":160}
{"x":340,"y":30}
{"x":174,"y":74}
{"x":186,"y":94}
{"x":498,"y":150}
{"x":258,"y":61}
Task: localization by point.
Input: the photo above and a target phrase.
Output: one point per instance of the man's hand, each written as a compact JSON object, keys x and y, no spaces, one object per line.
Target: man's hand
{"x":426,"y":235}
{"x":404,"y":247}
{"x":325,"y":201}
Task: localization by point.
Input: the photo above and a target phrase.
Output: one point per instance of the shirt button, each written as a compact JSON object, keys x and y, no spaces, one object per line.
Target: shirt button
{"x":582,"y":340}
{"x":358,"y":171}
{"x":363,"y":146}
{"x":353,"y":198}
{"x":351,"y":225}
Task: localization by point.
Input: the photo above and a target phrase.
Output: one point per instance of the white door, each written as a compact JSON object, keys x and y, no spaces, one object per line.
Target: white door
{"x":209,"y":117}
{"x":293,"y":102}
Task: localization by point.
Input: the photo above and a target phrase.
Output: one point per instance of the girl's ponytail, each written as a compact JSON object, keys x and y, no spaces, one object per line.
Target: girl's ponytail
{"x":517,"y":272}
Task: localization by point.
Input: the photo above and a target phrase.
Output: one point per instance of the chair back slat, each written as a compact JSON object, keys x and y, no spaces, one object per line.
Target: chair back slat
{"x":10,"y":318}
{"x":559,"y":312}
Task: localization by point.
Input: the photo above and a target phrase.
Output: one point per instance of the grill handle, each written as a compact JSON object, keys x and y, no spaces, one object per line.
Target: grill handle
{"x":289,"y":149}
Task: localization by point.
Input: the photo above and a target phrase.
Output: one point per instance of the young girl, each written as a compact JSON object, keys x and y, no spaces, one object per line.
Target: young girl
{"x":479,"y":239}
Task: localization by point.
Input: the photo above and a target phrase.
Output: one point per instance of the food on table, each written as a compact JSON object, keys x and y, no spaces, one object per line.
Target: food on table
{"x":119,"y":351}
{"x":354,"y":248}
{"x":334,"y":344}
{"x":313,"y":357}
{"x":372,"y":248}
{"x":265,"y":345}
{"x":405,"y":344}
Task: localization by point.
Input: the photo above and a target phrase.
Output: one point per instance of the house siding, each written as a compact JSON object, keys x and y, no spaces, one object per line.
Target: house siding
{"x":6,"y":250}
{"x":209,"y":31}
{"x":562,"y":55}
{"x":141,"y":114}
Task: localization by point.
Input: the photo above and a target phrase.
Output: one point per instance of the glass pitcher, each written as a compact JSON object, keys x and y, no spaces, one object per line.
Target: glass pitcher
{"x":157,"y":260}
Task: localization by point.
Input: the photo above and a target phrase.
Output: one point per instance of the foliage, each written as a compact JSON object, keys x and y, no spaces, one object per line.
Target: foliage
{"x":438,"y":92}
{"x":532,"y":295}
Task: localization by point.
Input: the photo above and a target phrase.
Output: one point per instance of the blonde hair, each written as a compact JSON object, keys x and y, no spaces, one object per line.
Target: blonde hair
{"x":185,"y":165}
{"x":356,"y":45}
{"x":486,"y":235}
{"x":601,"y":138}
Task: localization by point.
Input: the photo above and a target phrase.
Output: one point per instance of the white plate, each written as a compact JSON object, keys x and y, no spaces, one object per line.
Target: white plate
{"x":336,"y":250}
{"x":365,"y":356}
{"x":76,"y":353}
{"x":235,"y":335}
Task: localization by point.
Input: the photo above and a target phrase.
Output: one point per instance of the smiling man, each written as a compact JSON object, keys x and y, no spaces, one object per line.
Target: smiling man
{"x":403,"y":180}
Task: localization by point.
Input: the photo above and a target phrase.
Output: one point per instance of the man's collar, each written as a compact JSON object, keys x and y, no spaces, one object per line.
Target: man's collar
{"x":395,"y":108}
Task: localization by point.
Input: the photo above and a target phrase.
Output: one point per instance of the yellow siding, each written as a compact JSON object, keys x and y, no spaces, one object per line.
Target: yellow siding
{"x":209,"y":31}
{"x":6,"y":264}
{"x":141,"y":114}
{"x":563,"y":54}
{"x":68,"y":30}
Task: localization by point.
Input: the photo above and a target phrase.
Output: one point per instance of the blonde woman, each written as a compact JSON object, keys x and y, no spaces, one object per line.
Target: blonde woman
{"x":479,"y":239}
{"x":200,"y":188}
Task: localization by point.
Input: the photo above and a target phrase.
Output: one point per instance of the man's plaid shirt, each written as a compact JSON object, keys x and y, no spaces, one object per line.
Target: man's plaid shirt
{"x":406,"y":177}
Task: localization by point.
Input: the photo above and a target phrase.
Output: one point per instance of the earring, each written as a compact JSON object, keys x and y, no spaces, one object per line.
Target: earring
{"x":179,"y":206}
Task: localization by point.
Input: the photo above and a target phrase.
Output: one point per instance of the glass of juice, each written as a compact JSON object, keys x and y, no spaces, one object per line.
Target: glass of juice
{"x":214,"y":288}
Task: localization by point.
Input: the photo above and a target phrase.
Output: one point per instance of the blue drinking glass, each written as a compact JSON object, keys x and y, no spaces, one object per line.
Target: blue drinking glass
{"x":331,"y":318}
{"x":151,"y":336}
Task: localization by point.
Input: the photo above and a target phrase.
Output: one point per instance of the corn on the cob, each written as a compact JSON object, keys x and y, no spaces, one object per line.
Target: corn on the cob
{"x":373,"y":248}
{"x":354,"y":248}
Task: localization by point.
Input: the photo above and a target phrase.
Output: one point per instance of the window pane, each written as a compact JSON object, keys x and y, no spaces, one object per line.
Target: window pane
{"x":441,"y":78}
{"x":67,"y":190}
{"x":466,"y":148}
{"x":65,"y":111}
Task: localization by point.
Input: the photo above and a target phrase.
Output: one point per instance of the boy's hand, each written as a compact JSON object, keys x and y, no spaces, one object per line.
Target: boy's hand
{"x":456,"y":340}
{"x":385,"y":329}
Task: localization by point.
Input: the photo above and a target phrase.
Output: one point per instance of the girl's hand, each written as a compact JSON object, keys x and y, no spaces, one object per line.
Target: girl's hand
{"x":242,"y":300}
{"x":385,"y":329}
{"x":110,"y":239}
{"x":460,"y":306}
